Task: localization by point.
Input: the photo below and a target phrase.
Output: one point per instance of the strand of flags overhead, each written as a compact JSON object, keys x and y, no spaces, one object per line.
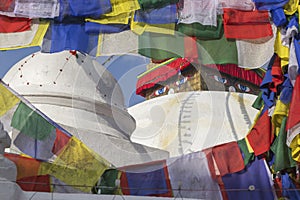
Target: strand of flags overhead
{"x":58,"y":25}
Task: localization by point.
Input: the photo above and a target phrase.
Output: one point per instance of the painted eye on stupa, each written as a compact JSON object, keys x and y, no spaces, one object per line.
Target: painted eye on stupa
{"x":243,"y":88}
{"x":160,"y":91}
{"x":220,"y":79}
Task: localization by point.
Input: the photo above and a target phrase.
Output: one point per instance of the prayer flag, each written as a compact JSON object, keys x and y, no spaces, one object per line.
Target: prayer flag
{"x":204,"y":32}
{"x":228,"y":158}
{"x":220,"y":51}
{"x":260,"y":137}
{"x":269,"y":4}
{"x":76,"y":165}
{"x":191,"y":178}
{"x":63,"y":36}
{"x":165,"y":15}
{"x":283,"y":155}
{"x":29,"y":38}
{"x":7,"y":100}
{"x":29,"y":122}
{"x":40,"y":183}
{"x":293,"y":120}
{"x":149,"y":179}
{"x":251,"y":183}
{"x":239,"y":24}
{"x":201,"y":11}
{"x":26,"y":166}
{"x":14,"y":24}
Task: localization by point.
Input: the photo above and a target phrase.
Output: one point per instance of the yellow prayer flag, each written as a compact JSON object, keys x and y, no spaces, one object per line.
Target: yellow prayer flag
{"x":7,"y":99}
{"x":77,"y":166}
{"x":291,"y":7}
{"x":280,"y":111}
{"x":139,"y":28}
{"x":282,"y":51}
{"x":295,"y":146}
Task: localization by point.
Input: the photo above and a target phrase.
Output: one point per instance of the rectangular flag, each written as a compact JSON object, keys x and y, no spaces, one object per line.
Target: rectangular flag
{"x":29,"y":38}
{"x":252,"y":183}
{"x":37,"y":8}
{"x":190,"y":177}
{"x":149,"y":179}
{"x":240,"y":24}
{"x":14,"y":24}
{"x":67,"y":36}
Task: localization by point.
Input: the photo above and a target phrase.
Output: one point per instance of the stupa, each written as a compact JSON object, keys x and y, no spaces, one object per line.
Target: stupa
{"x":83,"y":97}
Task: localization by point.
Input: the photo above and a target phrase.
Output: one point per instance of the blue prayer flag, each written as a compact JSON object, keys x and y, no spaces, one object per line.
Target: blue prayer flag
{"x":61,"y":36}
{"x":165,"y":15}
{"x":251,"y":183}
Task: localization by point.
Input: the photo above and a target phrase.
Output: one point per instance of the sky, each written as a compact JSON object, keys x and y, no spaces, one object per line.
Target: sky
{"x":125,"y":69}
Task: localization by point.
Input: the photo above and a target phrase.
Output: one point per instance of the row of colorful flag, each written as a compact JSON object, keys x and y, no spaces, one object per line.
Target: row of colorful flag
{"x":233,"y":32}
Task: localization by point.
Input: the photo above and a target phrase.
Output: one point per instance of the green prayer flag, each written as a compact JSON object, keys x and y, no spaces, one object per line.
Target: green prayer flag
{"x":107,"y":182}
{"x":221,"y":51}
{"x":203,"y":32}
{"x":31,"y":123}
{"x":161,"y":46}
{"x":283,"y":156}
{"x":248,"y":157}
{"x":259,"y":102}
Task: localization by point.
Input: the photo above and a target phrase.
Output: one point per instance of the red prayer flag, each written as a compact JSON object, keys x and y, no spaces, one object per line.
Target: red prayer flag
{"x":60,"y":141}
{"x":228,"y":158}
{"x":241,"y":24}
{"x":294,"y":112}
{"x":6,"y":5}
{"x":261,"y":137}
{"x":26,"y":167}
{"x":14,"y":24}
{"x":277,"y":76}
{"x":35,"y":183}
{"x":124,"y":184}
{"x":278,"y":187}
{"x":217,"y":177}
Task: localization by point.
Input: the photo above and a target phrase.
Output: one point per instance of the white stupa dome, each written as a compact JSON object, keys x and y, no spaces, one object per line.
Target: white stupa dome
{"x":69,"y":81}
{"x":188,"y":122}
{"x":83,"y":97}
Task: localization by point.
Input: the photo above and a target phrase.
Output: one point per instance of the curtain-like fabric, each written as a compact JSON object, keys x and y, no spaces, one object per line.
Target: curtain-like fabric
{"x":252,"y":183}
{"x":14,"y":24}
{"x":37,"y":8}
{"x":62,"y":36}
{"x":201,"y":11}
{"x":261,"y":137}
{"x":191,"y":178}
{"x":240,"y":24}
